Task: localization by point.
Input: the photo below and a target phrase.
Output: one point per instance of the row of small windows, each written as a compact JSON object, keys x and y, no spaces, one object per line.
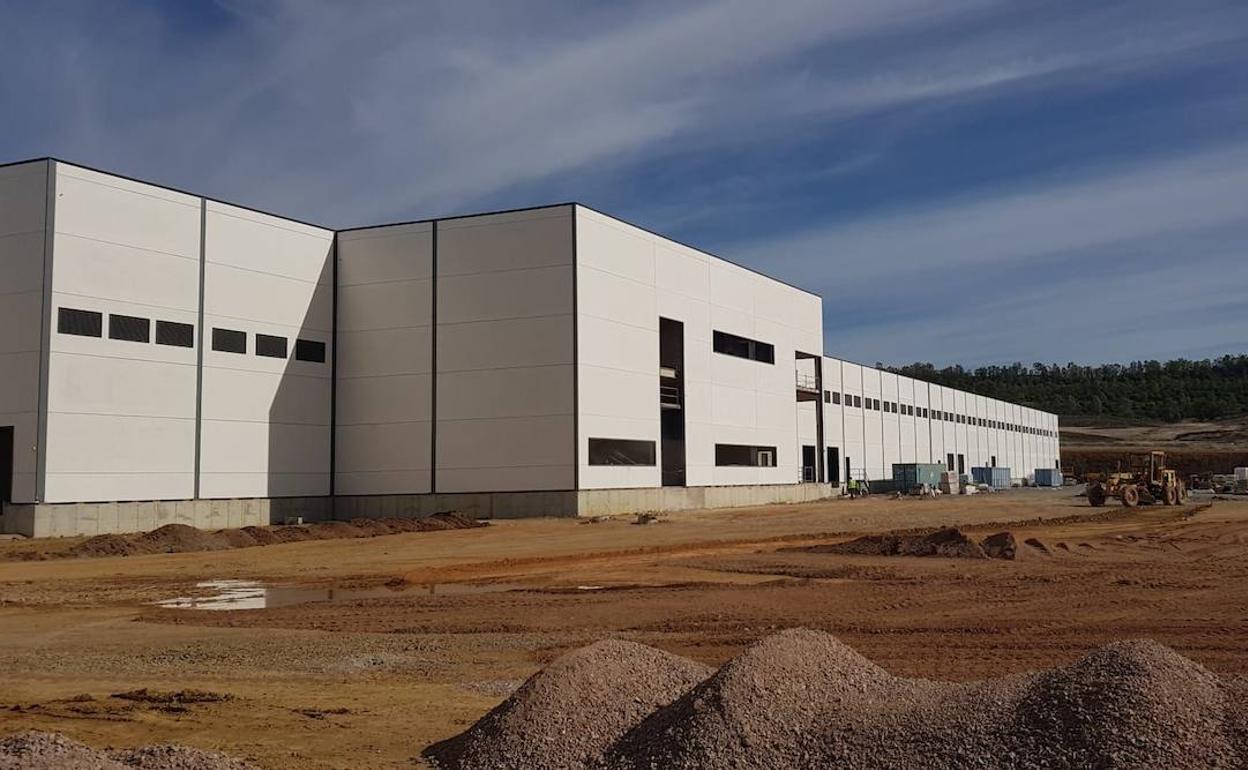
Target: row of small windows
{"x":89,"y":323}
{"x":910,"y":410}
{"x":617,"y":451}
{"x":267,"y":345}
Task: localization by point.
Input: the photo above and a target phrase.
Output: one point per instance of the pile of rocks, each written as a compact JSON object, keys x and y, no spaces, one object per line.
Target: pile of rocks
{"x":34,"y":750}
{"x":801,"y":699}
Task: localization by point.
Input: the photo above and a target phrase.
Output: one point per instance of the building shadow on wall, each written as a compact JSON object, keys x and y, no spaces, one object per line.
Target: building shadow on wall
{"x":300,"y":415}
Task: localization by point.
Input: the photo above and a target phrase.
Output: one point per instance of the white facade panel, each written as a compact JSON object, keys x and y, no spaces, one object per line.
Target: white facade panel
{"x":384,"y":408}
{"x":627,"y":280}
{"x":265,"y":427}
{"x":121,"y":413}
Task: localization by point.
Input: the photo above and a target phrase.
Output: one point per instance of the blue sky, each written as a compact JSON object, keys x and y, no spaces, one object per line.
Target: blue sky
{"x":965,"y":181}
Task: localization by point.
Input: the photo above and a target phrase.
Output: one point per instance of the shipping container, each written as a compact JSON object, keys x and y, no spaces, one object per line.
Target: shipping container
{"x":997,"y":478}
{"x":911,"y":475}
{"x":1048,"y":477}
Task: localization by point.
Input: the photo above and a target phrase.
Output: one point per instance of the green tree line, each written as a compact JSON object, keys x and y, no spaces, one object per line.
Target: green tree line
{"x":1142,"y":390}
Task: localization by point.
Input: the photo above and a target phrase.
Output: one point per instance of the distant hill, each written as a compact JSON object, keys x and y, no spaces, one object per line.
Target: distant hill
{"x":1150,"y":391}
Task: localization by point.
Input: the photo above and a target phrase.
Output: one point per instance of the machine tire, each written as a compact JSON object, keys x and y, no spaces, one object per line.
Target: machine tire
{"x":1096,"y":495}
{"x":1130,"y":496}
{"x":1182,"y":493}
{"x":1170,"y":495}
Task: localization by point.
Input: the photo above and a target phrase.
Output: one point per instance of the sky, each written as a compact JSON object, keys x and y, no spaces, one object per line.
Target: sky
{"x":964,"y":181}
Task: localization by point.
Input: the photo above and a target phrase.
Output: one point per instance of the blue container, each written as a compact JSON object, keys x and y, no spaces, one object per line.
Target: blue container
{"x":1048,"y":477}
{"x":997,"y":478}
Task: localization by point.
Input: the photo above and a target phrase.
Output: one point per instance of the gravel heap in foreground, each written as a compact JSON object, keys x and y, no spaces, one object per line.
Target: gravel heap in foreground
{"x":568,"y":714}
{"x":34,"y":750}
{"x":801,"y":699}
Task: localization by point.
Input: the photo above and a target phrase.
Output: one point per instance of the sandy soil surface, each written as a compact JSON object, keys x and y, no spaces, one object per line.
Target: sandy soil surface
{"x":369,"y":681}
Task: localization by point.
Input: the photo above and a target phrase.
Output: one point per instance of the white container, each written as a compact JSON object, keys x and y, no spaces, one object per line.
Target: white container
{"x":1241,"y":474}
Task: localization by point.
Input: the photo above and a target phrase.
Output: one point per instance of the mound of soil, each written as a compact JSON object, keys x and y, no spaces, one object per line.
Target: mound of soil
{"x":1000,"y":546}
{"x":179,"y":697}
{"x":570,"y":713}
{"x":180,"y":538}
{"x":34,"y":750}
{"x":801,"y":699}
{"x":949,"y":542}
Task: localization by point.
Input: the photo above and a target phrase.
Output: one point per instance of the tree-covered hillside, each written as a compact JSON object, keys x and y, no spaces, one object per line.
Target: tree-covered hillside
{"x":1146,"y":390}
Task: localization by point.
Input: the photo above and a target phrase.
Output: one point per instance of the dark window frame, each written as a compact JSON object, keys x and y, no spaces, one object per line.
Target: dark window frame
{"x":272,"y":346}
{"x":129,"y":328}
{"x":227,"y":341}
{"x":744,"y":456}
{"x":622,"y":452}
{"x":175,"y":334}
{"x":79,"y":323}
{"x":737,"y":346}
{"x":311,"y":351}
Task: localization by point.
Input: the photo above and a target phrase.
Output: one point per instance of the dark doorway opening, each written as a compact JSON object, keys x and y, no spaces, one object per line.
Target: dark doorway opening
{"x":994,"y":461}
{"x":672,"y":400}
{"x":949,"y":461}
{"x":961,"y":464}
{"x":810,"y":459}
{"x":6,"y":464}
{"x":847,"y":476}
{"x":834,"y":465}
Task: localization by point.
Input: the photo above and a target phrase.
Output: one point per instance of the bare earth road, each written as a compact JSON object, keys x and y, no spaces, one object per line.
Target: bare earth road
{"x":450,"y":622}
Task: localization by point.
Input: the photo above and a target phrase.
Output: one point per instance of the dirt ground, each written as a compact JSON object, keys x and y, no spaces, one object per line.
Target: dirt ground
{"x":367,"y":681}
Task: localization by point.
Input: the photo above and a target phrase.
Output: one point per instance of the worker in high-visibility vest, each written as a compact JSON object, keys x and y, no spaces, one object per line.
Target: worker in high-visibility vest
{"x":852,"y":487}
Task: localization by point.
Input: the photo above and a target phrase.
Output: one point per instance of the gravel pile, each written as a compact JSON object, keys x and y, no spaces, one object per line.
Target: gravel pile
{"x":34,"y":750}
{"x":568,"y":714}
{"x":800,"y":699}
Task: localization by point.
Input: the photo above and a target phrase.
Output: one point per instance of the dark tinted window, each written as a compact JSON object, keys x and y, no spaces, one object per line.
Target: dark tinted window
{"x":738,"y":454}
{"x":742,"y":347}
{"x":82,"y":323}
{"x":229,"y":341}
{"x":858,"y":401}
{"x":129,"y":328}
{"x":836,"y":398}
{"x":176,"y":334}
{"x":270,"y":347}
{"x":619,"y":451}
{"x":310,"y":350}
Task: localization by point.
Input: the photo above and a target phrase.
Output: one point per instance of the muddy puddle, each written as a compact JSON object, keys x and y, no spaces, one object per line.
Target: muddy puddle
{"x":254,"y":595}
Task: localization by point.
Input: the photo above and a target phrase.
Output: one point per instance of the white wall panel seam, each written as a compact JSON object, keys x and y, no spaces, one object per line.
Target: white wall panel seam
{"x":131,"y":246}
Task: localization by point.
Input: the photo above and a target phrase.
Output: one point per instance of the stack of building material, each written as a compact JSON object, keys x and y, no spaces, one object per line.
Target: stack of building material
{"x":949,"y":483}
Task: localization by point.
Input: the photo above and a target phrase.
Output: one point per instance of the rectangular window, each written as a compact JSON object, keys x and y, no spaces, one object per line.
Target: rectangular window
{"x":739,"y":454}
{"x":229,"y":341}
{"x":876,"y":404}
{"x":827,"y":396}
{"x":836,"y":398}
{"x":858,"y":401}
{"x":175,"y":334}
{"x":620,"y":451}
{"x":742,"y":347}
{"x":80,"y":323}
{"x":129,"y":328}
{"x":270,"y":347}
{"x":310,"y":350}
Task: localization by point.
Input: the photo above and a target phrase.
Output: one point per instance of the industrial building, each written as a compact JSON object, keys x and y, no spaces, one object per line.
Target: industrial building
{"x":166,"y":357}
